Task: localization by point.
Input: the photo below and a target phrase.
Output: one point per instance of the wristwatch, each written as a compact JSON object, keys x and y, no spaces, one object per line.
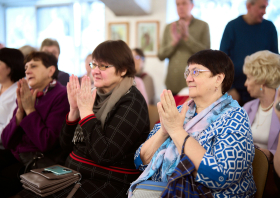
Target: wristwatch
{"x":278,"y":106}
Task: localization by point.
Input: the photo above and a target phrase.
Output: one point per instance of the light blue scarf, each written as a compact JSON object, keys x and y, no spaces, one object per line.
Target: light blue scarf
{"x":167,"y":157}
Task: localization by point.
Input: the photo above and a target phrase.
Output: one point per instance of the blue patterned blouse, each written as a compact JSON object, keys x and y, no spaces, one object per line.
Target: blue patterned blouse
{"x":226,"y":168}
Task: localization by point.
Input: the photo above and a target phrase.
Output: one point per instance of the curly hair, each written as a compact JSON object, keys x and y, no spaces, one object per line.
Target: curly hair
{"x":264,"y":67}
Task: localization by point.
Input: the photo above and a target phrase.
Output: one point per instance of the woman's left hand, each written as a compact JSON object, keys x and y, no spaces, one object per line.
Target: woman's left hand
{"x":85,"y":99}
{"x":170,"y":117}
{"x":27,"y":97}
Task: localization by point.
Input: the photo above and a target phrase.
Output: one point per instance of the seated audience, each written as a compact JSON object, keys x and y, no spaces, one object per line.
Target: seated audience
{"x":139,"y":59}
{"x":104,"y":128}
{"x":52,"y":46}
{"x":262,"y":70}
{"x":11,"y":70}
{"x":276,"y":159}
{"x":204,"y":146}
{"x":26,"y":50}
{"x":34,"y":129}
{"x":141,"y":87}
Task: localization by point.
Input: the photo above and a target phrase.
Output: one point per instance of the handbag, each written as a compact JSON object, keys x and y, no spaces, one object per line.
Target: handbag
{"x":34,"y":160}
{"x":149,"y":189}
{"x":44,"y":183}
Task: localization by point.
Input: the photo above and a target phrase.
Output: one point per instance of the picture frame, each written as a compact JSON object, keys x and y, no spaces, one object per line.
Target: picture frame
{"x":147,"y":37}
{"x":119,"y":31}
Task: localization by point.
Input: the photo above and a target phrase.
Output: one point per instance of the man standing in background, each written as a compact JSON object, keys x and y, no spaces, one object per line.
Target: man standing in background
{"x":52,"y":46}
{"x":182,"y":39}
{"x":244,"y":36}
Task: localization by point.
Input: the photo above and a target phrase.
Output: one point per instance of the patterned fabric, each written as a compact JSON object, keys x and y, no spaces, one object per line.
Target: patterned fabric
{"x":167,"y":157}
{"x":126,"y":127}
{"x":226,"y":167}
{"x":182,"y":178}
{"x":42,"y":93}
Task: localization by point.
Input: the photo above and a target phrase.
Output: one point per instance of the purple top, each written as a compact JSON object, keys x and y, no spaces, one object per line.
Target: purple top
{"x":41,"y":128}
{"x":251,"y":108}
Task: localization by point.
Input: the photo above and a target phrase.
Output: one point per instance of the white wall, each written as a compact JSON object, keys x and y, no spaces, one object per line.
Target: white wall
{"x":2,"y":24}
{"x":153,"y":65}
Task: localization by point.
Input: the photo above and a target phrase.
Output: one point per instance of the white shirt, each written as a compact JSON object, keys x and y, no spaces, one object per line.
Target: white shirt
{"x":261,"y":127}
{"x":7,"y":106}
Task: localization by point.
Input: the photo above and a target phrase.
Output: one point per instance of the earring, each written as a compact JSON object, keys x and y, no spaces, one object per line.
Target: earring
{"x":261,"y":88}
{"x":216,"y":89}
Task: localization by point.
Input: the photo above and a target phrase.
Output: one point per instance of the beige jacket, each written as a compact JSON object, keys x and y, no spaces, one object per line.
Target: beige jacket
{"x":199,"y":39}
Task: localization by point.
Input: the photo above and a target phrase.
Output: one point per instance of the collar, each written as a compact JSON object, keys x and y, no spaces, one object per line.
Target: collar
{"x":51,"y":85}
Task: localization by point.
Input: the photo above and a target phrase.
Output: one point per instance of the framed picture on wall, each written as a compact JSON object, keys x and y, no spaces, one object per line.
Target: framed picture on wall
{"x":147,"y":37}
{"x":119,"y":31}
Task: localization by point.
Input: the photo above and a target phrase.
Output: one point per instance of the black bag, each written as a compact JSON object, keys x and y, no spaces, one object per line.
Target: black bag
{"x":34,"y":160}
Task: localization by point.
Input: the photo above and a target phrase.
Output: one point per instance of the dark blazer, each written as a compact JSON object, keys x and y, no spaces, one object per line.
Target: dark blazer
{"x":63,"y":78}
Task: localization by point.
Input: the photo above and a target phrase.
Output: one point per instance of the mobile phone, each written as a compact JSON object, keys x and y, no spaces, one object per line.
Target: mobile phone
{"x":58,"y":170}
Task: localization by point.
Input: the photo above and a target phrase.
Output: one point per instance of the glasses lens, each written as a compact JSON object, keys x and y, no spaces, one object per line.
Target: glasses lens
{"x":102,"y":67}
{"x":195,"y":72}
{"x":186,"y":74}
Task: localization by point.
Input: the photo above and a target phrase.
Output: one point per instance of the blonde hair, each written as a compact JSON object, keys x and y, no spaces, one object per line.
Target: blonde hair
{"x":27,"y":49}
{"x":264,"y":67}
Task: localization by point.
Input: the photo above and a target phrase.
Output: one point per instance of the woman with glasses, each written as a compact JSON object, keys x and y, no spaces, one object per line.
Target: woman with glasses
{"x":105,"y":126}
{"x":204,"y":147}
{"x":139,"y":59}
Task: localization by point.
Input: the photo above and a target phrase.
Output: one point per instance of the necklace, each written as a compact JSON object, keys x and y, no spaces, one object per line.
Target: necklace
{"x":265,"y":109}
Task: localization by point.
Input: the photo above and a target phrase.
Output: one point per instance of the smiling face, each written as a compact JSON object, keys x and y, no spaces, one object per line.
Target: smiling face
{"x":252,"y":87}
{"x":257,"y":10}
{"x":4,"y":72}
{"x":106,"y":80}
{"x":200,"y":86}
{"x":37,"y":75}
{"x":184,"y":8}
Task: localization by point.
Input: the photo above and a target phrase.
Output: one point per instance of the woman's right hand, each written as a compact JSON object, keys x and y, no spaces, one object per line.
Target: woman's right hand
{"x":20,"y":110}
{"x":72,"y":89}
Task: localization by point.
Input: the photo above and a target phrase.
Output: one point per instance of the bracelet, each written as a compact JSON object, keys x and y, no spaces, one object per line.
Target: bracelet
{"x":278,"y":106}
{"x":184,"y":143}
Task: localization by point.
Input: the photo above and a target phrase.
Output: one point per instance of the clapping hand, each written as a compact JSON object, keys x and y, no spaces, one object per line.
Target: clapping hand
{"x":25,"y":99}
{"x":171,"y":119}
{"x":85,"y":99}
{"x":184,"y":27}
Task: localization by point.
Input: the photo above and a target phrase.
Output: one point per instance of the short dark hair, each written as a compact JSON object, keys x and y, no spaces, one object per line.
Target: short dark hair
{"x":139,"y":52}
{"x":47,"y":59}
{"x":116,"y":53}
{"x":50,"y":42}
{"x":14,"y":59}
{"x":217,"y":62}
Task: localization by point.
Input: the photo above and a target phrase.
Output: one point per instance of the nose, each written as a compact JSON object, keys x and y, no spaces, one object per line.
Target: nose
{"x":245,"y":84}
{"x":189,"y":77}
{"x":27,"y":71}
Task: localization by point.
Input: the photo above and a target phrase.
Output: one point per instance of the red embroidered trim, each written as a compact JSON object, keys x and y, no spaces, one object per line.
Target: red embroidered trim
{"x":71,"y":122}
{"x":110,"y":168}
{"x":85,"y":119}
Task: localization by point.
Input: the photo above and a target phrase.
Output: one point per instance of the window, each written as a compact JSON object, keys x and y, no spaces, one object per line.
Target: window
{"x":74,"y":26}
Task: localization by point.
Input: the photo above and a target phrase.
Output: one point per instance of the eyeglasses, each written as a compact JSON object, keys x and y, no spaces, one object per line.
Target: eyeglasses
{"x":137,"y":57}
{"x":194,"y":72}
{"x":101,"y":67}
